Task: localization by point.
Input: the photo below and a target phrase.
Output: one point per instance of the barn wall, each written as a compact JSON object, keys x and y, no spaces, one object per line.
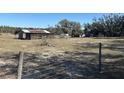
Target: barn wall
{"x":20,"y":35}
{"x":28,"y":36}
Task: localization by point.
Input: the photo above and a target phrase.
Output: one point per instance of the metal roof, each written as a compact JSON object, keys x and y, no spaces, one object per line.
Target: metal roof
{"x":46,"y":31}
{"x":25,"y":30}
{"x":35,"y":31}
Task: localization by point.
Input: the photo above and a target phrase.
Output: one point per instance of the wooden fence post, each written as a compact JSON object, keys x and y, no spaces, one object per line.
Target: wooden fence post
{"x":100,"y":55}
{"x":20,"y":65}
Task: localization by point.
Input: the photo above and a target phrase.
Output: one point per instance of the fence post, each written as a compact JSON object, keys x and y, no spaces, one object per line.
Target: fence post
{"x":20,"y":65}
{"x":100,"y":55}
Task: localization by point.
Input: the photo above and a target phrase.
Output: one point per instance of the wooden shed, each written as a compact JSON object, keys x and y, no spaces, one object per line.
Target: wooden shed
{"x":32,"y":34}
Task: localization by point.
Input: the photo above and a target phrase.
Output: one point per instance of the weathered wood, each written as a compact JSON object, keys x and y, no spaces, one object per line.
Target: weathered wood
{"x":100,"y":55}
{"x":20,"y":65}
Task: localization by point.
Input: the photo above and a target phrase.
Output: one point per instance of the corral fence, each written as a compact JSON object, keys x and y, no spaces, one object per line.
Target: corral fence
{"x":100,"y":47}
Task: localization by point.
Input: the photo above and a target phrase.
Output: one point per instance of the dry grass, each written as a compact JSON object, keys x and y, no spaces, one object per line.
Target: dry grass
{"x":68,"y":58}
{"x":10,"y":44}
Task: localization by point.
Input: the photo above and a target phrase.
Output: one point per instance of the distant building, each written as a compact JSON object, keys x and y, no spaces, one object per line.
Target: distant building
{"x":32,"y":34}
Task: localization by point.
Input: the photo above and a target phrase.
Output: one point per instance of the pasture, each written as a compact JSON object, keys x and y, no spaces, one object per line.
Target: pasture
{"x":62,"y":58}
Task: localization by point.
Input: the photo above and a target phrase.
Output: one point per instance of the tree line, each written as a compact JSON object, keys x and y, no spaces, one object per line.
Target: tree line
{"x":8,"y":29}
{"x":110,"y":25}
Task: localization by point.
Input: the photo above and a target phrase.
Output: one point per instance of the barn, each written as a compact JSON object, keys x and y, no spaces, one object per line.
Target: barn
{"x":32,"y":34}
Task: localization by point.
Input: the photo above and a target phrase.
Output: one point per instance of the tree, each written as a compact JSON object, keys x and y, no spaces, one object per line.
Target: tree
{"x":69,"y":27}
{"x":109,"y":25}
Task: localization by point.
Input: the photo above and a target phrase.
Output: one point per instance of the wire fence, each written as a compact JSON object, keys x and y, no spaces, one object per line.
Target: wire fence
{"x":96,"y":60}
